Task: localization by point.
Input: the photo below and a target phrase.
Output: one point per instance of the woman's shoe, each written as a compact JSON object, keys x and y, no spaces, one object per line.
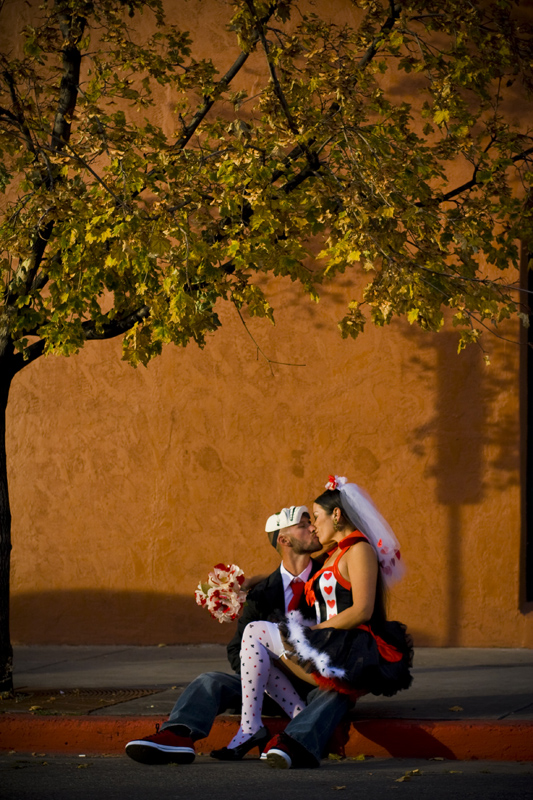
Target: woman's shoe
{"x":259,"y":740}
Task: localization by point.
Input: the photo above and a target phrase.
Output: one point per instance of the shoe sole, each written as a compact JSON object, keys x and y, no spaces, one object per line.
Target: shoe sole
{"x":278,"y":759}
{"x":147,"y":753}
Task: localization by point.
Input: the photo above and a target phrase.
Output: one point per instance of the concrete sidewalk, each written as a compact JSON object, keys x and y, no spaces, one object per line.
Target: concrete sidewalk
{"x":464,"y":703}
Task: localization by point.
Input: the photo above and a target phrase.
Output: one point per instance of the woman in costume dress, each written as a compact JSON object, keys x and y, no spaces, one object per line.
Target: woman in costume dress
{"x":353,"y":648}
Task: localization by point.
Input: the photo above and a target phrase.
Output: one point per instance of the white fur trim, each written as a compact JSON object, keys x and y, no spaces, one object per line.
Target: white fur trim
{"x":321,"y":661}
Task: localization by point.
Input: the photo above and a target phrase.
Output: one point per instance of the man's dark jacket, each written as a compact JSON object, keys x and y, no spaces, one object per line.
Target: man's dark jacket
{"x":265,"y":601}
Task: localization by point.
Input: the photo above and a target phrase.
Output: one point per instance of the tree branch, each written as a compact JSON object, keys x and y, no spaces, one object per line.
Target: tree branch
{"x":269,"y":361}
{"x":115,"y":327}
{"x":272,"y":70}
{"x":221,"y":86}
{"x":84,"y":163}
{"x":25,"y":276}
{"x":313,"y":161}
{"x":31,"y":353}
{"x":335,"y":107}
{"x":386,"y":28}
{"x":473,"y":181}
{"x":19,"y":114}
{"x":68,"y":92}
{"x":209,"y":102}
{"x":5,"y":112}
{"x":109,"y":330}
{"x":72,"y":29}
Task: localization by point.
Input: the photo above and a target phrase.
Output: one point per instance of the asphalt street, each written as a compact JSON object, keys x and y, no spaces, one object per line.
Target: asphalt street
{"x":78,"y":777}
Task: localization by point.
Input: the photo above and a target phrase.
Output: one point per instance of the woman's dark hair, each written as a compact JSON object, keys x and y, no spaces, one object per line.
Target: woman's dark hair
{"x":329,"y":501}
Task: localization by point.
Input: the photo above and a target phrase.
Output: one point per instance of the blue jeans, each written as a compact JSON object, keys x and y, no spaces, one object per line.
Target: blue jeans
{"x":213,"y":692}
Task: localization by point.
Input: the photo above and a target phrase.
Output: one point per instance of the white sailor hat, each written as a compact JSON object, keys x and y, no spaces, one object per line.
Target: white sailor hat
{"x":283,"y":519}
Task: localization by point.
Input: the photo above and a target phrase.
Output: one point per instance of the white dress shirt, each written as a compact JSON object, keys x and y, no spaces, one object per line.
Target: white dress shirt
{"x":287,"y":577}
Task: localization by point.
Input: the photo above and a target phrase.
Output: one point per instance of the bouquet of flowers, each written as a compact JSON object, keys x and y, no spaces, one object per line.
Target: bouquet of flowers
{"x":221,"y":594}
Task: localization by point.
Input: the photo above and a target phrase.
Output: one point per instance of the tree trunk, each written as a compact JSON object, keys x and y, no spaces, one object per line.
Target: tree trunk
{"x":6,"y":650}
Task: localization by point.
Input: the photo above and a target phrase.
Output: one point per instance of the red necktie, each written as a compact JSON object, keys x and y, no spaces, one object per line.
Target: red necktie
{"x":297,"y":587}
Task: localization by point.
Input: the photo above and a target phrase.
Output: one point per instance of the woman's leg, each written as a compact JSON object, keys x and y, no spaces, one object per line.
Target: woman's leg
{"x":280,"y":689}
{"x":261,"y":642}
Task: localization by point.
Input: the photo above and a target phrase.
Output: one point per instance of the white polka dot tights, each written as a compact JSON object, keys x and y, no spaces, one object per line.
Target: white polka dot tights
{"x":261,"y":646}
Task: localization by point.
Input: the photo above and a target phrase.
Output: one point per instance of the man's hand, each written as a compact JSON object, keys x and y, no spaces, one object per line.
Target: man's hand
{"x":249,"y":583}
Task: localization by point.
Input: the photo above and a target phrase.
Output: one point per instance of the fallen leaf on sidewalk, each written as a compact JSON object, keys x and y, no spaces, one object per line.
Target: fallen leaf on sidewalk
{"x":408,"y":775}
{"x":456,"y":708}
{"x":339,"y":787}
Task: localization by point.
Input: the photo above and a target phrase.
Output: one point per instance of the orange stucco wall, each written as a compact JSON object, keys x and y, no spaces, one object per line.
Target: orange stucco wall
{"x":128,"y":485}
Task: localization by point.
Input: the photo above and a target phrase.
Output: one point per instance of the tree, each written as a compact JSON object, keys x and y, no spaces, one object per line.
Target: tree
{"x":111,"y":226}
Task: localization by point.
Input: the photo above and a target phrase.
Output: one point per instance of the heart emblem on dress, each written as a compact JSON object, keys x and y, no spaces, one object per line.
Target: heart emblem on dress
{"x":331,"y":603}
{"x":328,"y":575}
{"x":328,"y":589}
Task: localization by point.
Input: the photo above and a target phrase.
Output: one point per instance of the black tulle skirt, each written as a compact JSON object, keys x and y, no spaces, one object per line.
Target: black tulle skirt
{"x":367,"y":659}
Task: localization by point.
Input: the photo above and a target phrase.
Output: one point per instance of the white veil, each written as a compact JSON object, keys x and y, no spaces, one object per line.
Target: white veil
{"x":363,"y":514}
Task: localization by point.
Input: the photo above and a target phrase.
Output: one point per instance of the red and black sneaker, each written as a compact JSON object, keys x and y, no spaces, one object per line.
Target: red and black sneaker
{"x":164,"y":747}
{"x":284,"y":752}
{"x":277,"y":753}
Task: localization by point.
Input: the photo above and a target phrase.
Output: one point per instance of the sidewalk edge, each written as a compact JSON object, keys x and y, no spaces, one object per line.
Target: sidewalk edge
{"x":463,"y":740}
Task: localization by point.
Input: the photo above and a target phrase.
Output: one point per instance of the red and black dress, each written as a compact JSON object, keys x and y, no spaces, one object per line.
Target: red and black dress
{"x":375,"y":657}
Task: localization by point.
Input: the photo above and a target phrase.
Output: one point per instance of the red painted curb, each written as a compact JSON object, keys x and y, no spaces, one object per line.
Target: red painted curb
{"x":463,"y":740}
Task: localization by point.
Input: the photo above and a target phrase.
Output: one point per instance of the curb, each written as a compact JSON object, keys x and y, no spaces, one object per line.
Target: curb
{"x":465,"y":740}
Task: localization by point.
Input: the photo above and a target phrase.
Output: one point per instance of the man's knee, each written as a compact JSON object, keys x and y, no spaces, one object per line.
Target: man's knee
{"x":208,"y":679}
{"x":211,"y":676}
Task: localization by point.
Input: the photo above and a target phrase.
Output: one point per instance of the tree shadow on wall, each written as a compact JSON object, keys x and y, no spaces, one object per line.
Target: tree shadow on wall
{"x":99,"y":617}
{"x":469,"y":451}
